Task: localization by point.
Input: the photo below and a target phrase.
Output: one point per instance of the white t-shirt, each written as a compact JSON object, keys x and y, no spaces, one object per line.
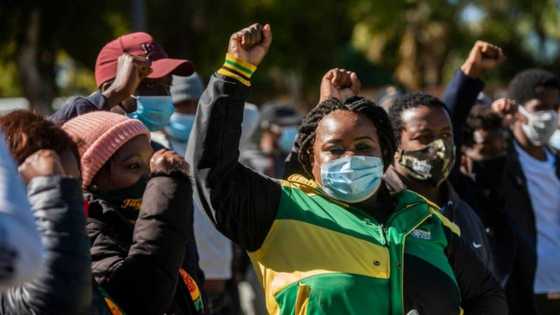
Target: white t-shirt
{"x":544,"y":191}
{"x":214,"y":250}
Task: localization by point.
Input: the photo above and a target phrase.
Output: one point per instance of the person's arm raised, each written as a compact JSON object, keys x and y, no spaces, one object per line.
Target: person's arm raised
{"x":461,"y":93}
{"x":241,"y":203}
{"x":336,"y":83}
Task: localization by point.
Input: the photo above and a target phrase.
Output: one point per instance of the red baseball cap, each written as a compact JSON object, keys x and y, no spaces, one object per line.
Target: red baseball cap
{"x":138,"y":44}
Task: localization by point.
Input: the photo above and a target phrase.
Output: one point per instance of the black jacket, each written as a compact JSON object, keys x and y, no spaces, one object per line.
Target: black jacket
{"x":64,"y":287}
{"x":138,"y":263}
{"x":506,"y":206}
{"x":243,"y":204}
{"x":520,"y":211}
{"x":460,"y":213}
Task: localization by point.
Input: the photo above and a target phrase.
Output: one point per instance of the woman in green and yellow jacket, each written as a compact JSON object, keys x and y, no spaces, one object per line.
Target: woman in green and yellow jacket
{"x":334,"y":241}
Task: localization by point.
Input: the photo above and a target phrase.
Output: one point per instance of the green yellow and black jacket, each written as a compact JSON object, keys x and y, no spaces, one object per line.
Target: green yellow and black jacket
{"x":314,"y":255}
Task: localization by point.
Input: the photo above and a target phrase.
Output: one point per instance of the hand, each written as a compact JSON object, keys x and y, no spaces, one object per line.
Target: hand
{"x":483,"y":57}
{"x":506,"y":108}
{"x":131,"y":70}
{"x":41,"y":163}
{"x":167,"y":162}
{"x":340,"y":84}
{"x":251,"y":43}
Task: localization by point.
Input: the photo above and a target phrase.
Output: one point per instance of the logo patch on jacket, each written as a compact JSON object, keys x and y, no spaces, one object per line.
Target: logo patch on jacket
{"x":421,"y":234}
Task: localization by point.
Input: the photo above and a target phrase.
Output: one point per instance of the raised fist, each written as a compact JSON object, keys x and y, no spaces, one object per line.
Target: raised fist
{"x":251,"y":43}
{"x":131,"y":70}
{"x":506,"y":108}
{"x":340,"y":84}
{"x":40,"y":163}
{"x":483,"y":57}
{"x":167,"y":162}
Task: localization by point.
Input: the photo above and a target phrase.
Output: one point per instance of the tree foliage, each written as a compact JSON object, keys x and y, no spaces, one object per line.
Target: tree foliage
{"x":415,"y":43}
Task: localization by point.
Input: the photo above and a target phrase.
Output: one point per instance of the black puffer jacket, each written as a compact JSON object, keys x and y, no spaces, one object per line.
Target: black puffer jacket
{"x":138,"y":263}
{"x":64,"y":287}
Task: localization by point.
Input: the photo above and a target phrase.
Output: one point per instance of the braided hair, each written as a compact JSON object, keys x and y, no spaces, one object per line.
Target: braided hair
{"x":307,"y":132}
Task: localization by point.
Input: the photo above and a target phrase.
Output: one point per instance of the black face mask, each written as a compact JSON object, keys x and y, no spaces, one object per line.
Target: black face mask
{"x":128,"y":200}
{"x":488,"y":172}
{"x":432,"y":164}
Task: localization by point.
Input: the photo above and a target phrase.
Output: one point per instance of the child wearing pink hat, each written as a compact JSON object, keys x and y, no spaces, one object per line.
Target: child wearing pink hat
{"x":139,"y":215}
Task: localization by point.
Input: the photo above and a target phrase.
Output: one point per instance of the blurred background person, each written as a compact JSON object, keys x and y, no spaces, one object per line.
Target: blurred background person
{"x":133,"y":76}
{"x":278,"y":130}
{"x":49,"y":164}
{"x":21,"y":250}
{"x":532,"y":185}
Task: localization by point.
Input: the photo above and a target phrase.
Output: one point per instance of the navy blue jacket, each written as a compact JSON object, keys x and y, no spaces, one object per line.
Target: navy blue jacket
{"x":78,"y":106}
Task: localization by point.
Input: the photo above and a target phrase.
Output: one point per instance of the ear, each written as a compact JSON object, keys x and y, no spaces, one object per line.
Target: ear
{"x":397,"y":155}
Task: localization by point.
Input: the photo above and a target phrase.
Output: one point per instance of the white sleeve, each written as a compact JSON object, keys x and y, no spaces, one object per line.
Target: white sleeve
{"x":214,"y":249}
{"x":21,"y":251}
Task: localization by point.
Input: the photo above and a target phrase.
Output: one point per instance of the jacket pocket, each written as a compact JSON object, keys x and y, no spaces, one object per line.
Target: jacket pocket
{"x":302,"y":299}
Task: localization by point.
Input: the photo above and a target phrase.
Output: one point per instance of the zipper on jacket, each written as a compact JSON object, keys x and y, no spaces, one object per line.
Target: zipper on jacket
{"x":382,"y":230}
{"x":405,"y":236}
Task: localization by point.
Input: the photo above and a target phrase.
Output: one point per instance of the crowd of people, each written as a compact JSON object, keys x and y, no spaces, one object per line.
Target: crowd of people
{"x":157,"y":195}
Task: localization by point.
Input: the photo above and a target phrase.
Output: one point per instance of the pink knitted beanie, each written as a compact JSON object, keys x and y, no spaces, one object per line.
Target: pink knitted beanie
{"x":98,"y":136}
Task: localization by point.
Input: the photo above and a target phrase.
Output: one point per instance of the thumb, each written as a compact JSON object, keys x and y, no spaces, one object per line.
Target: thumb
{"x":267,"y":35}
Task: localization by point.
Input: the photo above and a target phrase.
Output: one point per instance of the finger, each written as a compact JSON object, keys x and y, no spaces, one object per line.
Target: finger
{"x":249,"y":37}
{"x":259,"y":35}
{"x":337,"y":78}
{"x":267,"y":36}
{"x":346,"y":82}
{"x":329,"y":75}
{"x":255,"y":34}
{"x":236,"y":38}
{"x":356,"y":84}
{"x":158,"y":154}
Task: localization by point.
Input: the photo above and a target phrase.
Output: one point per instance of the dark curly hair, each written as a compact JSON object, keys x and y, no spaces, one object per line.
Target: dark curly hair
{"x":522,"y":87}
{"x":480,"y":117}
{"x":307,"y":132}
{"x":27,"y":132}
{"x":408,"y":101}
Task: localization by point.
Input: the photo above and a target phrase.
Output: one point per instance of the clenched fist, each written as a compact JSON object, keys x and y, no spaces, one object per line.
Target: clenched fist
{"x":167,"y":162}
{"x":41,"y":163}
{"x":251,"y":44}
{"x":340,"y":84}
{"x":483,"y":57}
{"x":131,"y":70}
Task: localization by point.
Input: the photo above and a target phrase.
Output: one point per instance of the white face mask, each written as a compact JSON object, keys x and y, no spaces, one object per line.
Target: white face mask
{"x":554,"y":141}
{"x":540,"y":125}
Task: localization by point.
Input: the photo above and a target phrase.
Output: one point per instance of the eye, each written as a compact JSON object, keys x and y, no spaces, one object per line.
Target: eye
{"x":363,"y":147}
{"x":134,"y":166}
{"x":424,"y":139}
{"x":335,"y":150}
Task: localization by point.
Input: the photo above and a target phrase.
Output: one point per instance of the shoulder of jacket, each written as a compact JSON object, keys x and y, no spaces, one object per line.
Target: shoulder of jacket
{"x":412,"y":197}
{"x":302,"y":183}
{"x":445,"y":221}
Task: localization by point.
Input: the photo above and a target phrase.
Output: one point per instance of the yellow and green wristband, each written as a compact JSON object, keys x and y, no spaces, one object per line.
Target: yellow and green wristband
{"x":237,"y":69}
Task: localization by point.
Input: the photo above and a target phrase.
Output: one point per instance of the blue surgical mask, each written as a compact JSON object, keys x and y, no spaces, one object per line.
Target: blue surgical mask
{"x":153,"y":111}
{"x":287,"y":139}
{"x":180,"y":126}
{"x":352,"y":179}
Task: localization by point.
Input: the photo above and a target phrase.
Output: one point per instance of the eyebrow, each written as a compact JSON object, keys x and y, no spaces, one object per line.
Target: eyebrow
{"x":364,"y":138}
{"x":127,"y":157}
{"x":356,"y":139}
